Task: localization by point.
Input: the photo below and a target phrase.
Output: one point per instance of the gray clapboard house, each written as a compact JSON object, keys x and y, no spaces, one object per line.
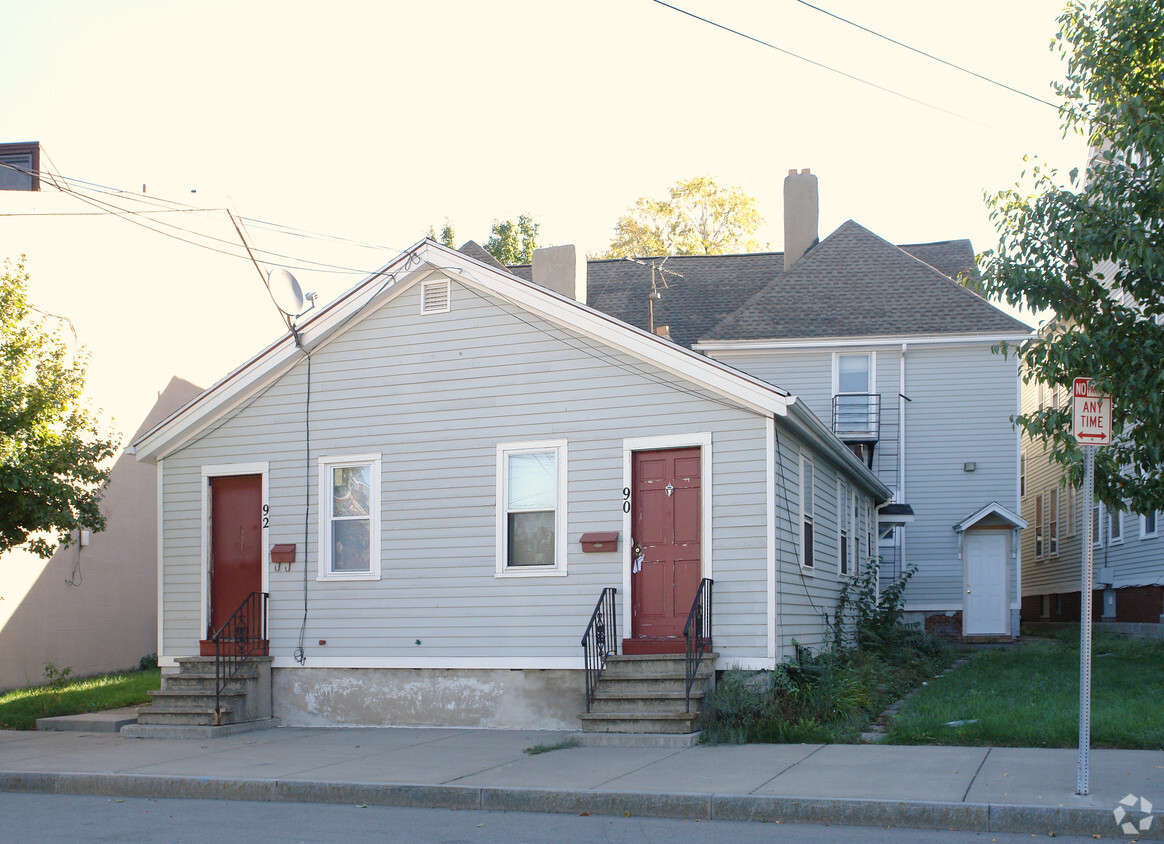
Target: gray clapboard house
{"x":885,"y":345}
{"x":436,"y":478}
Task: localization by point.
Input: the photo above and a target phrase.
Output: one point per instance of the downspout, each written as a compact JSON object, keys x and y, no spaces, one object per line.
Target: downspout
{"x":901,"y":400}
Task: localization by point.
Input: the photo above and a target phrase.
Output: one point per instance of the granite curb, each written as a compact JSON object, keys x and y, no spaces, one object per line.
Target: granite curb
{"x":969,"y":817}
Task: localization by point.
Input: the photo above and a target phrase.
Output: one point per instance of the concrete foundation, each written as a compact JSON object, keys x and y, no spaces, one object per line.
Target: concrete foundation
{"x":549,"y":699}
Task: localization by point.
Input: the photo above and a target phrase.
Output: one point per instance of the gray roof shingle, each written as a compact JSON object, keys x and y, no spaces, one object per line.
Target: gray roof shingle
{"x":855,"y":284}
{"x":851,"y":284}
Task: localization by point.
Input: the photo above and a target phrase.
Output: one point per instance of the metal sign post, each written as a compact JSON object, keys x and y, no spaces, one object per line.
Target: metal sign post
{"x":1091,"y":427}
{"x":1083,"y":778}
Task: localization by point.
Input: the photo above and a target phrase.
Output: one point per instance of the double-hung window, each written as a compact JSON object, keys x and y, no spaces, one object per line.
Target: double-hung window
{"x":349,"y":523}
{"x":854,"y":416}
{"x":1115,"y":526}
{"x":1148,"y":524}
{"x":807,"y":511}
{"x":1053,"y":521}
{"x":1039,"y":525}
{"x":531,"y":509}
{"x":843,"y":527}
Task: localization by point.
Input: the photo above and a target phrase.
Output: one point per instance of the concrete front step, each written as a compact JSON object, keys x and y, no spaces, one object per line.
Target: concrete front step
{"x":640,"y":722}
{"x":659,"y":702}
{"x":192,"y":698}
{"x":194,"y":717}
{"x":646,"y":684}
{"x":656,"y":664}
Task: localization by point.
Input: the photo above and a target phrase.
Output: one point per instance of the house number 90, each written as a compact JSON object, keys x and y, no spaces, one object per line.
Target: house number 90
{"x":626,"y":499}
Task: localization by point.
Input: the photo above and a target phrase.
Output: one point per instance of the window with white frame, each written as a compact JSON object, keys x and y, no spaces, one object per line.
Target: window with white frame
{"x":1096,"y":523}
{"x":870,"y":536}
{"x":854,"y":414}
{"x":855,"y":516}
{"x":349,"y":524}
{"x":1115,"y":527}
{"x":531,"y":509}
{"x":1039,"y":525}
{"x":807,"y":511}
{"x":1072,"y":515}
{"x":843,"y":528}
{"x":1023,"y":475}
{"x":1053,"y":521}
{"x":1148,"y":524}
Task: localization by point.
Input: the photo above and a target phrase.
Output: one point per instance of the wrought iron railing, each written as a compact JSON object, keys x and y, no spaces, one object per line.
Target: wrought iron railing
{"x":697,"y":632}
{"x":242,"y":636}
{"x":600,"y":640}
{"x":857,"y":417}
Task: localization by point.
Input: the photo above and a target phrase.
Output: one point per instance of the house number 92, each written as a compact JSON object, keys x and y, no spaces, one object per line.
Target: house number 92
{"x":266,"y":516}
{"x":626,"y":499}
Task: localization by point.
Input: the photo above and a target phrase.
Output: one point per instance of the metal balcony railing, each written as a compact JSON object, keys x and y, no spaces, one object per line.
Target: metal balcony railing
{"x":857,"y":417}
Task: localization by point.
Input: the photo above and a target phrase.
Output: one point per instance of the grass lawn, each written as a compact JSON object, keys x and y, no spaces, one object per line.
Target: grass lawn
{"x":1029,"y":697}
{"x":20,"y":708}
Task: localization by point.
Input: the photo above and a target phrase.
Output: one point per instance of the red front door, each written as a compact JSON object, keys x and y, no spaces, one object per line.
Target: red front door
{"x":236,"y":550}
{"x":666,"y":517}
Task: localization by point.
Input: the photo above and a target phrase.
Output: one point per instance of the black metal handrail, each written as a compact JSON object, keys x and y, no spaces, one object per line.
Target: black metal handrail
{"x":857,"y":417}
{"x":697,"y":632}
{"x":600,"y":640}
{"x":241,"y":637}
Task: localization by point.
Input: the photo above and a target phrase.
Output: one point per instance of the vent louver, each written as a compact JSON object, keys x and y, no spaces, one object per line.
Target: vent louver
{"x":435,"y":297}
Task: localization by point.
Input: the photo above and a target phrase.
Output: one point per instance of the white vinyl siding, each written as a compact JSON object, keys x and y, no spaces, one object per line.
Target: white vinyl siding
{"x":436,"y":396}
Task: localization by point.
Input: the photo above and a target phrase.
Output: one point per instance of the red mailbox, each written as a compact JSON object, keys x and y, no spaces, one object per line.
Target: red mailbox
{"x":600,"y":541}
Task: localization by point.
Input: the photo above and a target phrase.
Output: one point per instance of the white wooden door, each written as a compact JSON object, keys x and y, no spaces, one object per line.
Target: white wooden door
{"x":986,"y":611}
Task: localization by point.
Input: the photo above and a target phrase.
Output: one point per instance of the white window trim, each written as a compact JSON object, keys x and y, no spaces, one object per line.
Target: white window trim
{"x":805,"y":565}
{"x":1143,"y":530}
{"x":558,"y":569}
{"x":1040,"y":524}
{"x":1052,"y":531}
{"x":1072,"y":508}
{"x":855,"y":353}
{"x":1116,"y":518}
{"x":1097,"y":522}
{"x":218,"y":471}
{"x":326,"y":464}
{"x":1023,"y":475}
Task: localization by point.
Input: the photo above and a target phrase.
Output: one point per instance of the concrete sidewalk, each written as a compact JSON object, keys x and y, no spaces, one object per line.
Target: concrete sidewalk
{"x":979,"y":789}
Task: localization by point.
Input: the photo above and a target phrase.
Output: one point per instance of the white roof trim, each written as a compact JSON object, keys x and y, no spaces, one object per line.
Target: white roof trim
{"x":854,"y":342}
{"x":419,"y":262}
{"x":992,"y":509}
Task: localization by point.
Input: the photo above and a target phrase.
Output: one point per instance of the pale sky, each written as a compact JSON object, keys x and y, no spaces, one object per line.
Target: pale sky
{"x":373,"y":121}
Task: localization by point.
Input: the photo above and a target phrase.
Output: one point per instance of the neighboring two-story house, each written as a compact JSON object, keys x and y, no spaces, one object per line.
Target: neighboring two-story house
{"x":1128,"y":547}
{"x":888,"y":348}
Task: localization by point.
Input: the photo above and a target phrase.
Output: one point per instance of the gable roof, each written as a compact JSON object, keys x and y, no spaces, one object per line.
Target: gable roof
{"x":710,"y":291}
{"x":427,"y":260}
{"x":856,"y":284}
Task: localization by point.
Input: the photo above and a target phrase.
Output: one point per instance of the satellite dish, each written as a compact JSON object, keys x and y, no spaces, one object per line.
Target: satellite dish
{"x":286,"y":292}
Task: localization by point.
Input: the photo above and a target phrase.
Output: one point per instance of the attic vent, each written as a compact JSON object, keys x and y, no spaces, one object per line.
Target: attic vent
{"x":435,"y":297}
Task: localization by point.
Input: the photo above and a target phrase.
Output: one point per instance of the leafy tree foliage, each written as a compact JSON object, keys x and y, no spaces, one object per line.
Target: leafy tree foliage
{"x":698,"y":218}
{"x":448,"y":235}
{"x":513,"y":243}
{"x":1091,"y":248}
{"x":53,"y":458}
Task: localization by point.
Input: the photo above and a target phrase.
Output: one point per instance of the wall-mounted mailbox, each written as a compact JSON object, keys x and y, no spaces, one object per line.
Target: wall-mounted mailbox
{"x":600,"y":541}
{"x":283,"y":555}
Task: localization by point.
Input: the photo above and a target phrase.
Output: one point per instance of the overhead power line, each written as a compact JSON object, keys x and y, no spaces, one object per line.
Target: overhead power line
{"x":938,"y":59}
{"x":815,"y":63}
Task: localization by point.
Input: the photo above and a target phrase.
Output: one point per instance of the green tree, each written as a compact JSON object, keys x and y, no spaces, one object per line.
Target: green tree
{"x":1090,"y":247}
{"x":448,"y":235}
{"x":698,"y":218}
{"x":513,"y":243}
{"x":53,"y":458}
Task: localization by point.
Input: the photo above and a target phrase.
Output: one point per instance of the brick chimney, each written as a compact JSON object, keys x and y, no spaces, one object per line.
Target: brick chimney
{"x":561,"y":269}
{"x":801,"y":215}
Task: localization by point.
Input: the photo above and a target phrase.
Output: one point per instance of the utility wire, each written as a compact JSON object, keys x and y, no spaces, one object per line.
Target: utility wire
{"x":928,"y":55}
{"x":815,"y":63}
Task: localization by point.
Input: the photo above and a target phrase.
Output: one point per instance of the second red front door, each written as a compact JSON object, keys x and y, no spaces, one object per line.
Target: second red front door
{"x":666,"y":520}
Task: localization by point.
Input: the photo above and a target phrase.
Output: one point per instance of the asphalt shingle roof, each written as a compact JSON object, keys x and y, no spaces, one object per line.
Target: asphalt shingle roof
{"x":852,"y":284}
{"x":855,"y":284}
